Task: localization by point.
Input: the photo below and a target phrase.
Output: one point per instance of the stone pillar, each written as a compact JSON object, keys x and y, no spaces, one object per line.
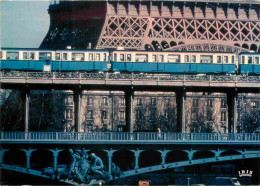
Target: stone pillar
{"x":77,"y":109}
{"x":25,"y":106}
{"x":28,"y":159}
{"x":232,"y":111}
{"x":129,"y":97}
{"x":180,"y":101}
{"x":163,"y":156}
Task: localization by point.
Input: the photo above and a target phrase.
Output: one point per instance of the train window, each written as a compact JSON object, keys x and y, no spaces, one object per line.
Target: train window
{"x":225,"y":59}
{"x":250,"y":60}
{"x":90,"y":56}
{"x":141,"y":57}
{"x":65,"y":56}
{"x":32,"y":55}
{"x":98,"y":57}
{"x":218,"y":59}
{"x":12,"y":55}
{"x":233,"y":59}
{"x":257,"y":60}
{"x":44,"y":56}
{"x":243,"y":59}
{"x":25,"y":55}
{"x":78,"y":56}
{"x":160,"y":59}
{"x":154,"y":58}
{"x":115,"y":57}
{"x":57,"y":56}
{"x":122,"y":57}
{"x":206,"y":58}
{"x":128,"y":58}
{"x":174,"y":58}
{"x":186,"y":59}
{"x":193,"y":59}
{"x":105,"y":56}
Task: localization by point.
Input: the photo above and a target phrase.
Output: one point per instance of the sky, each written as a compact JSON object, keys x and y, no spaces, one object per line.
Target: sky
{"x":23,"y":23}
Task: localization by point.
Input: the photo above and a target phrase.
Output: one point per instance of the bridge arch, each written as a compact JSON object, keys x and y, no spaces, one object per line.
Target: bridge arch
{"x":230,"y":153}
{"x":176,"y":155}
{"x":63,"y":157}
{"x":149,"y":158}
{"x":15,"y":157}
{"x":41,"y":158}
{"x":245,"y":46}
{"x":254,"y":47}
{"x":124,"y":159}
{"x":203,"y":154}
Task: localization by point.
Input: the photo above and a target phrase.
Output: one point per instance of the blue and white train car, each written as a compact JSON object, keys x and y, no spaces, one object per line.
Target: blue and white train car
{"x":174,"y":62}
{"x":60,"y":60}
{"x":249,"y":63}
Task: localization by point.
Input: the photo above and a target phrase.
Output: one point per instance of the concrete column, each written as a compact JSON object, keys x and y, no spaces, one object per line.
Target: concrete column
{"x":110,"y":156}
{"x":180,"y":101}
{"x":2,"y":152}
{"x":25,"y":106}
{"x":55,"y":160}
{"x":137,"y":154}
{"x":77,"y":109}
{"x":163,"y":156}
{"x":129,"y":97}
{"x":28,"y":159}
{"x":232,"y":111}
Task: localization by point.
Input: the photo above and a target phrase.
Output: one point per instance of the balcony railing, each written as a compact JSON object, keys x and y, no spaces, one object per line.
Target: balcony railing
{"x":123,"y":136}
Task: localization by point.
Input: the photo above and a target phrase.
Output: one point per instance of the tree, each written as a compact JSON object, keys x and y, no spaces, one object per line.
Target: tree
{"x":251,"y":121}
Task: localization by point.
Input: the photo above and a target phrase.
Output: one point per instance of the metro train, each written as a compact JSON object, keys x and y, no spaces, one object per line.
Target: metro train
{"x":130,"y":61}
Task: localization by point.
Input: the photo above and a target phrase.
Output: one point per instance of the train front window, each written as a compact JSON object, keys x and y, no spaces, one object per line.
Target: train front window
{"x":174,"y":58}
{"x":12,"y":55}
{"x":32,"y":55}
{"x":25,"y":55}
{"x":57,"y":56}
{"x":250,"y":60}
{"x":206,"y":58}
{"x":44,"y":56}
{"x":218,"y":59}
{"x":193,"y":59}
{"x":225,"y":59}
{"x":78,"y":56}
{"x":141,"y":57}
{"x":65,"y":56}
{"x":257,"y":60}
{"x":186,"y":59}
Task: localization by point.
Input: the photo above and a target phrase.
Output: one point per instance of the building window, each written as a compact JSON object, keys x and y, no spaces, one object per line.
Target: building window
{"x":90,"y":101}
{"x":139,"y":101}
{"x":209,"y":115}
{"x":195,"y":102}
{"x":103,"y":114}
{"x":139,"y":114}
{"x":104,"y":101}
{"x":254,"y":104}
{"x":223,"y":103}
{"x":223,"y":116}
{"x":209,"y":102}
{"x":69,"y":100}
{"x":90,"y":114}
{"x":166,"y":114}
{"x":122,"y":115}
{"x":68,"y":114}
{"x":153,"y":101}
{"x":194,"y":116}
{"x":122,"y":101}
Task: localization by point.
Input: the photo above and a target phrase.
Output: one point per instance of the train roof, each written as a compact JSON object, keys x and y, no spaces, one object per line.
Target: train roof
{"x":40,"y":49}
{"x":206,"y":52}
{"x":249,"y":53}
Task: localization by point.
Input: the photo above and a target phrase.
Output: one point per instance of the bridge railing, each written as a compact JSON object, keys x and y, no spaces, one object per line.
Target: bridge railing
{"x":129,"y":77}
{"x":122,"y":136}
